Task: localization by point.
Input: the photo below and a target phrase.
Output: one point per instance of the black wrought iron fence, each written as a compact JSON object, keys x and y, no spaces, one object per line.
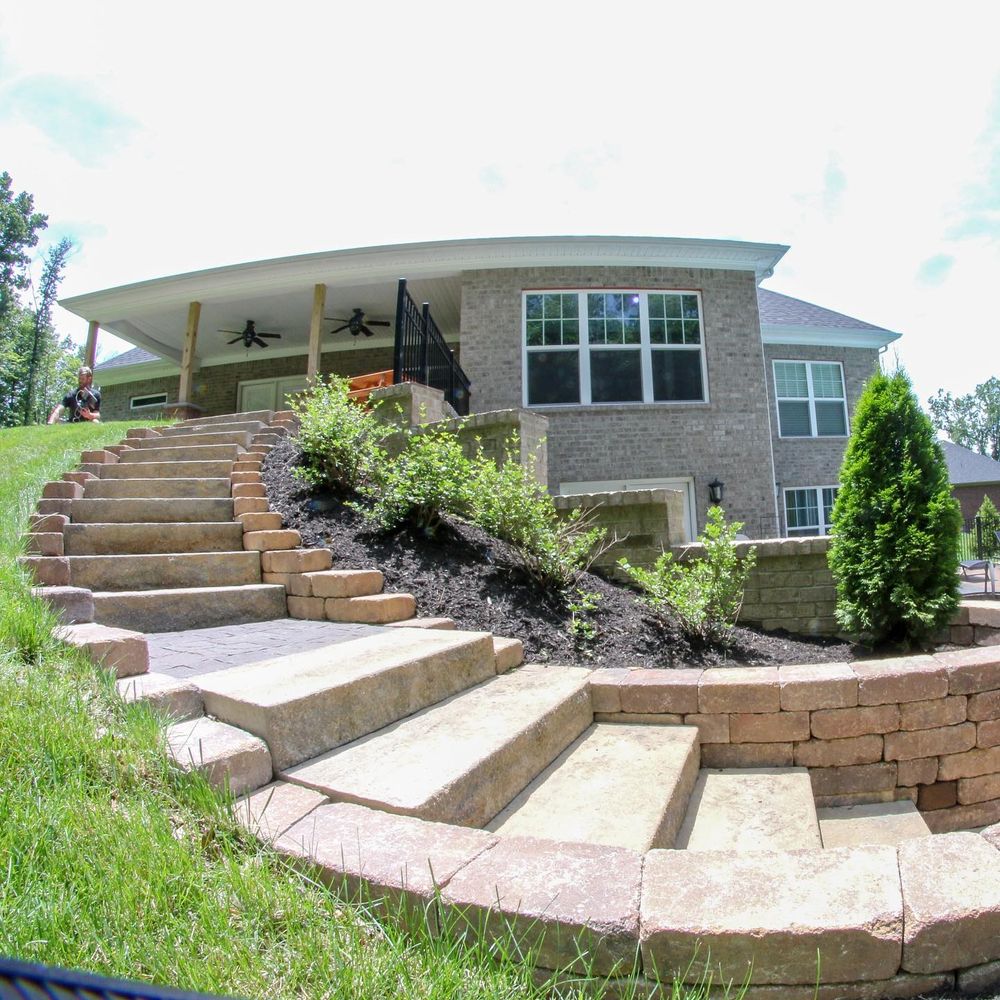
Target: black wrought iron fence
{"x":978,"y":540}
{"x":422,"y":354}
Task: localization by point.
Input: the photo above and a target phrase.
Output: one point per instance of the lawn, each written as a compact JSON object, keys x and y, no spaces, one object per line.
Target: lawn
{"x":113,"y":862}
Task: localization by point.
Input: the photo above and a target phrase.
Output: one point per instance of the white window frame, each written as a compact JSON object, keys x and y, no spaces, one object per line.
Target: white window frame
{"x":823,"y":526}
{"x":811,"y":400}
{"x":645,"y":347}
{"x":154,"y":396}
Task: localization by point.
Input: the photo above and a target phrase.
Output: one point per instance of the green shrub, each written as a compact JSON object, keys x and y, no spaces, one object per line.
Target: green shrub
{"x":704,"y":595}
{"x":340,"y":440}
{"x":431,"y":476}
{"x":510,"y":503}
{"x":989,"y":524}
{"x":895,"y":524}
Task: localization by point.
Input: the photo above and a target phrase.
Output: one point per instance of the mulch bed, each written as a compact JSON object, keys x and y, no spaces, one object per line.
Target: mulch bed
{"x":465,"y":574}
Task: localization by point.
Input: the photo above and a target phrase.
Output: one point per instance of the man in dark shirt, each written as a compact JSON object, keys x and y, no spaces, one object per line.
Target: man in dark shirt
{"x":83,"y":404}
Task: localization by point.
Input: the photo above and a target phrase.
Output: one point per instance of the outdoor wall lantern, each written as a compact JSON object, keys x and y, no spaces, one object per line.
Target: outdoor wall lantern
{"x":715,"y":490}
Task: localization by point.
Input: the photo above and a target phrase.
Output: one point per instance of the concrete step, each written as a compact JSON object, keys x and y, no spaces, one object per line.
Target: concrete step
{"x":875,"y":823}
{"x":97,"y":489}
{"x":229,"y":427}
{"x":168,"y":470}
{"x":241,"y":438}
{"x":463,"y":760}
{"x":182,"y":453}
{"x":263,"y":416}
{"x":142,"y":539}
{"x":148,"y":510}
{"x":165,"y":571}
{"x":172,"y":610}
{"x":226,"y":756}
{"x":307,"y":703}
{"x":751,"y":809}
{"x":617,"y":785}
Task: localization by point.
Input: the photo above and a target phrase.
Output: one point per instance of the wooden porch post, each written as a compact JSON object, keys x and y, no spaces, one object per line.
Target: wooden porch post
{"x":187,"y":358}
{"x":316,"y":332}
{"x":90,"y":351}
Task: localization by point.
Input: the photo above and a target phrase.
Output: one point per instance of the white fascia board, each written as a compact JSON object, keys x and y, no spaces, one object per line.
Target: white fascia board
{"x":122,"y":374}
{"x":423,"y":260}
{"x":826,"y":336}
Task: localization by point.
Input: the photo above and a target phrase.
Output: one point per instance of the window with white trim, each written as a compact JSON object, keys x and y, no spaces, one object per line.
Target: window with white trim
{"x":140,"y":402}
{"x":811,"y":398}
{"x":591,"y":347}
{"x":809,"y":511}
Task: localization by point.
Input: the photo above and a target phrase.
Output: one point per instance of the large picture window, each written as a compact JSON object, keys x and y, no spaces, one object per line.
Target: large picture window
{"x":811,"y":398}
{"x":592,"y":346}
{"x":809,"y":511}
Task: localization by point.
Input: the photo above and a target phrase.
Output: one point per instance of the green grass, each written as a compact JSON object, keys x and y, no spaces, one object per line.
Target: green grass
{"x":111,"y":861}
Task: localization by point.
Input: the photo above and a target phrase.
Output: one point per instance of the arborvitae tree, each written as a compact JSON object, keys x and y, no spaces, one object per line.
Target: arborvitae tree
{"x":894,"y":552}
{"x":989,"y":524}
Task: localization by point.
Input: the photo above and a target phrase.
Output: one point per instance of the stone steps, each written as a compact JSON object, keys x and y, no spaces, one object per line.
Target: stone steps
{"x":166,"y":570}
{"x":170,"y":610}
{"x":240,"y":438}
{"x":227,"y":427}
{"x":307,"y":703}
{"x":97,"y":489}
{"x":226,"y":756}
{"x":872,"y":823}
{"x":751,"y":809}
{"x":263,"y":416}
{"x":617,"y":785}
{"x":144,"y":539}
{"x":181,"y":453}
{"x":460,"y":761}
{"x":180,"y":469}
{"x":149,"y":510}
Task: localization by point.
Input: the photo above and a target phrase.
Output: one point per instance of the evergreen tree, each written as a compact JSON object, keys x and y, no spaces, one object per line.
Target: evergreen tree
{"x":894,"y":552}
{"x":989,"y":524}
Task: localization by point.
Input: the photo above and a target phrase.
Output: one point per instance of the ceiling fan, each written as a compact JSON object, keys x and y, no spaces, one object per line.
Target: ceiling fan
{"x":356,"y":324}
{"x":250,"y":336}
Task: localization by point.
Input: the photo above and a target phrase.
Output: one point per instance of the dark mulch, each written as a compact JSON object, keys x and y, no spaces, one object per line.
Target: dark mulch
{"x":465,"y":574}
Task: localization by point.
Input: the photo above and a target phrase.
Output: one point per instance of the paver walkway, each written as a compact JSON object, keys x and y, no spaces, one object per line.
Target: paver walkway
{"x":195,"y":652}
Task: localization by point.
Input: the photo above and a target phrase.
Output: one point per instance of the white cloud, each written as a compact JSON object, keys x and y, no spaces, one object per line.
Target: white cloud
{"x":863,"y":135}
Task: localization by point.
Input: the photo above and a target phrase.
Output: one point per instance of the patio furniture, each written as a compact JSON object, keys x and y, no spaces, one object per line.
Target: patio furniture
{"x":989,"y":579}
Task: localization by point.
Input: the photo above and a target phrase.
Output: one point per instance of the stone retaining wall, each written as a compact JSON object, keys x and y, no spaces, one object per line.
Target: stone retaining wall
{"x":791,"y":587}
{"x":926,"y":728}
{"x":645,"y":521}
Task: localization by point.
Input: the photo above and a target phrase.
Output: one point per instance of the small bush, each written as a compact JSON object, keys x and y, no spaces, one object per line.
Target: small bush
{"x":431,"y":476}
{"x":340,"y":440}
{"x":894,"y":550}
{"x":510,"y":503}
{"x":704,"y":595}
{"x":989,"y":524}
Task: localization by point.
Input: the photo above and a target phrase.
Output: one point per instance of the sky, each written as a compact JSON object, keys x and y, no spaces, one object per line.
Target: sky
{"x":169,"y":138}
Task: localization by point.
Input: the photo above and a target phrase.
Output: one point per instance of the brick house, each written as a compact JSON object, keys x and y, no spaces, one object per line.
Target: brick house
{"x":658,"y":362}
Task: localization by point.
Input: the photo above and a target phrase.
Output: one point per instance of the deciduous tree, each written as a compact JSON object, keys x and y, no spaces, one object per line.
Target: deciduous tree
{"x":973,"y":420}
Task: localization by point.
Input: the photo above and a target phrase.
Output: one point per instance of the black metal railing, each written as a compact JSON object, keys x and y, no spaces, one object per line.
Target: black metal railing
{"x":422,"y":355}
{"x":978,"y":540}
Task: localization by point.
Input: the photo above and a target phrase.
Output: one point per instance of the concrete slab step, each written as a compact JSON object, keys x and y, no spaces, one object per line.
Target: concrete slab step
{"x":751,"y":809}
{"x":264,"y":416}
{"x":872,"y":823}
{"x":194,"y":469}
{"x":226,"y":756}
{"x":463,"y":760}
{"x":182,"y":453}
{"x":307,"y":703}
{"x":143,"y":539}
{"x":146,"y":510}
{"x":123,"y":652}
{"x":617,"y":785}
{"x":167,"y":695}
{"x":95,"y":489}
{"x":165,"y":571}
{"x":227,"y":427}
{"x":190,"y":607}
{"x":241,"y":438}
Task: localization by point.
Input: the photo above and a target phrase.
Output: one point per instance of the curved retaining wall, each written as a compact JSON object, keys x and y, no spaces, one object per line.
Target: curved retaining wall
{"x":885,"y":921}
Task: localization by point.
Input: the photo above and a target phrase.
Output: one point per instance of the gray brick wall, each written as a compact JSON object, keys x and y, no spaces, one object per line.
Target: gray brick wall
{"x":800,"y":462}
{"x":728,"y":437}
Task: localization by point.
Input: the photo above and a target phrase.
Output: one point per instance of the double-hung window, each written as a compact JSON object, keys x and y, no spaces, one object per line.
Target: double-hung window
{"x":809,"y":511}
{"x":811,"y":398}
{"x":587,"y":347}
